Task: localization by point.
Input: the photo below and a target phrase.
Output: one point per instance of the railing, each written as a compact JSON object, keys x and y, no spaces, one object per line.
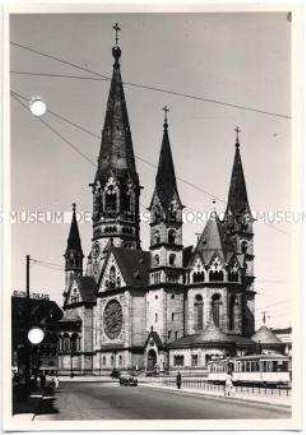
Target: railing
{"x":203,"y":384}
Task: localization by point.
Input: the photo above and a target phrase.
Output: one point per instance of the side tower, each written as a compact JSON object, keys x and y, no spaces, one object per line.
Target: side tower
{"x":165,"y":299}
{"x":166,"y":220}
{"x":116,"y":186}
{"x":238,"y":225}
{"x":74,"y":253}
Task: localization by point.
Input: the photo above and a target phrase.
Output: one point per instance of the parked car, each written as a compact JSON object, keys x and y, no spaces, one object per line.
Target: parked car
{"x":128,"y":380}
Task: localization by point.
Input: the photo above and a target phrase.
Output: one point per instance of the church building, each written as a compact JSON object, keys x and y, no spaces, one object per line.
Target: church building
{"x":170,"y":306}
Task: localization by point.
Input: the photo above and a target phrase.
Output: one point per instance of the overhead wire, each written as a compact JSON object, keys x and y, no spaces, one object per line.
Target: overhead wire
{"x":147,"y":87}
{"x":184,"y":181}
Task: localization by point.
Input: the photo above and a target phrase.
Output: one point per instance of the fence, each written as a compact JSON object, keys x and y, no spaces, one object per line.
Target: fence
{"x":203,"y":384}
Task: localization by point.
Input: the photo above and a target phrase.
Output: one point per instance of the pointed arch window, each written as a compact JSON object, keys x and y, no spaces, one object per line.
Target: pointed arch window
{"x":216,"y":305}
{"x":172,"y":259}
{"x":156,"y":260}
{"x":198,"y":313}
{"x":198,"y":277}
{"x":156,"y":238}
{"x":216,"y":275}
{"x":171,"y":237}
{"x":111,"y":199}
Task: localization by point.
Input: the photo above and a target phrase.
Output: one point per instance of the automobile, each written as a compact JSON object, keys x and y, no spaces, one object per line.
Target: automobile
{"x":128,"y":380}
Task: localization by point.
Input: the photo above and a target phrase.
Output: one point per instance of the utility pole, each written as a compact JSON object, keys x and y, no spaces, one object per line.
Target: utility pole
{"x":27,"y":326}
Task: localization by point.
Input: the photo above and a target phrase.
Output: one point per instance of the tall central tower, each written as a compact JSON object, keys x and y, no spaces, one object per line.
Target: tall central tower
{"x":116,"y":188}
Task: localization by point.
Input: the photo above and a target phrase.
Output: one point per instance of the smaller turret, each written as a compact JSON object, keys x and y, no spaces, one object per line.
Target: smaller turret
{"x":74,"y":253}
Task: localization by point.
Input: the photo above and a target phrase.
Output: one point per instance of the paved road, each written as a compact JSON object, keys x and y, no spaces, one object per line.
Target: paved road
{"x":96,"y":401}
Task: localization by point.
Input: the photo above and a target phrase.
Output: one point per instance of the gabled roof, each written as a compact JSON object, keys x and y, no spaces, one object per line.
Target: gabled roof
{"x":156,"y":338}
{"x":238,"y":198}
{"x":165,"y":181}
{"x":265,"y":336}
{"x":74,"y":240}
{"x":116,"y":151}
{"x":212,"y":240}
{"x":134,"y":265}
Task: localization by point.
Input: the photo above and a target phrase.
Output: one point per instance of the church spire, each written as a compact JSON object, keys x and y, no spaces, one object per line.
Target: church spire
{"x":74,"y":253}
{"x":116,"y":187}
{"x":238,"y":203}
{"x":116,"y":151}
{"x":165,"y":183}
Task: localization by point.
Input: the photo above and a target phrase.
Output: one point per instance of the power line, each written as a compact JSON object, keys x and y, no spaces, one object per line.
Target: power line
{"x":182,"y":180}
{"x":147,"y":87}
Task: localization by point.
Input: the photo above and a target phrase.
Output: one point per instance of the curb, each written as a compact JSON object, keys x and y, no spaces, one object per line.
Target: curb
{"x":224,"y":399}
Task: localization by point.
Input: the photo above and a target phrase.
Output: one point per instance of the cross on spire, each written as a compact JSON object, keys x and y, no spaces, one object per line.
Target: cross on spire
{"x":117,"y":30}
{"x":237,"y":130}
{"x":166,"y":110}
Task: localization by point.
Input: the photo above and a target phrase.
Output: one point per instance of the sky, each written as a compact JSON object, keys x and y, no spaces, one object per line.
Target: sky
{"x":238,"y":58}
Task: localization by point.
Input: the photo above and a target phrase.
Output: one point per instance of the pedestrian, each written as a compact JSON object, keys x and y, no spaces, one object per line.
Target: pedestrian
{"x":56,"y":382}
{"x":228,"y":384}
{"x":178,"y":380}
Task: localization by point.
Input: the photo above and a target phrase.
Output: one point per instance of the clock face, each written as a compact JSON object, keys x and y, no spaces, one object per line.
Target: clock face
{"x":112,"y":319}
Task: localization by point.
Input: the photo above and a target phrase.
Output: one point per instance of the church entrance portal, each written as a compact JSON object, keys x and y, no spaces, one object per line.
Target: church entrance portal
{"x":152,"y":359}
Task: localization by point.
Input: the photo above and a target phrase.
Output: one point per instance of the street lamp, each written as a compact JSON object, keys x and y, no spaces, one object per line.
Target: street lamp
{"x":37,"y":106}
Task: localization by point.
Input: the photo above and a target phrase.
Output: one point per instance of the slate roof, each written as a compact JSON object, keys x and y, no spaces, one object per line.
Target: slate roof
{"x":238,"y":198}
{"x":165,"y":181}
{"x":87,"y":287}
{"x":242,"y":341}
{"x":265,"y":336}
{"x":134,"y":265}
{"x":116,"y":151}
{"x":212,"y":240}
{"x":74,"y":240}
{"x":212,"y":335}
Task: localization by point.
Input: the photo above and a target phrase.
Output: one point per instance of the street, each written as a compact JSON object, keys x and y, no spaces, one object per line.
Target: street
{"x":97,"y":401}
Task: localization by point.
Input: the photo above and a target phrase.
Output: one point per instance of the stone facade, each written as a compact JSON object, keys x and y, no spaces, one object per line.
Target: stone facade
{"x":133,"y":308}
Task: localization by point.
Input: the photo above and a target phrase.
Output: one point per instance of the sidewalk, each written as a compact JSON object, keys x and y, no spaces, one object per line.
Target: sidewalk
{"x":282,"y":401}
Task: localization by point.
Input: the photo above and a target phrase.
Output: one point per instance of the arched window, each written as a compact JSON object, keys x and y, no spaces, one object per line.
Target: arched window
{"x":156,"y":260}
{"x":216,"y":303}
{"x":198,"y":313}
{"x":112,"y":277}
{"x":172,"y":258}
{"x":232,"y":311}
{"x":112,"y":360}
{"x":111,"y":199}
{"x":120,"y":360}
{"x":66,"y":343}
{"x":171,"y":237}
{"x":156,"y":238}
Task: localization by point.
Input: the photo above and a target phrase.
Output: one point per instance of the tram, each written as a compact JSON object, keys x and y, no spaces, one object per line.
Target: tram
{"x":261,"y":370}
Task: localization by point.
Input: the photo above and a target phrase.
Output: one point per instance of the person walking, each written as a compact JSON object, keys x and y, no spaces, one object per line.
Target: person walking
{"x":179,"y":380}
{"x":228,"y":383}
